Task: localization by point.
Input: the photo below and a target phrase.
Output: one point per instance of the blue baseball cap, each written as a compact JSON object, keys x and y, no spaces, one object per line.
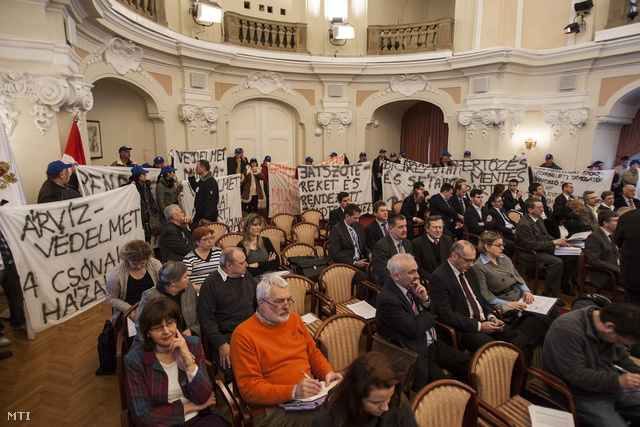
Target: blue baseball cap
{"x":382,"y":150}
{"x":238,"y":151}
{"x":253,"y":159}
{"x":309,"y":159}
{"x":595,"y":165}
{"x":138,"y":169}
{"x":267,"y":159}
{"x":403,"y":154}
{"x":467,"y":153}
{"x":363,"y":154}
{"x":123,"y":148}
{"x":634,"y":162}
{"x":158,"y":160}
{"x":57,"y":167}
{"x":146,"y":165}
{"x":334,"y":154}
{"x":445,"y":154}
{"x":548,"y":157}
{"x":393,"y":155}
{"x":167,"y":169}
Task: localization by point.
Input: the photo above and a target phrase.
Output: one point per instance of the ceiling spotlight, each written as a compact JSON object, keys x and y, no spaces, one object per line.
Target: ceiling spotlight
{"x":575,"y":27}
{"x":206,"y":12}
{"x":633,"y":10}
{"x":340,"y":31}
{"x":583,"y":7}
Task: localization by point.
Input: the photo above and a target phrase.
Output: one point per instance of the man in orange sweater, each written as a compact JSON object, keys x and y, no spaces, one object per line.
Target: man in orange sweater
{"x":274,"y":358}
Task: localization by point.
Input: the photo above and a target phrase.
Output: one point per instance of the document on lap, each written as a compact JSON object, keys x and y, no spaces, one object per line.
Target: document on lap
{"x":541,"y":305}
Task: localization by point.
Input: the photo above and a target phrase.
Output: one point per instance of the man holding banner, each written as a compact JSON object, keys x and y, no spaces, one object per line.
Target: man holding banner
{"x":206,"y":202}
{"x":57,"y":187}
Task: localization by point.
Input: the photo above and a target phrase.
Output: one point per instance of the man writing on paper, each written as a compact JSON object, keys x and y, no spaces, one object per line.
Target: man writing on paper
{"x":587,"y":348}
{"x":272,"y":355}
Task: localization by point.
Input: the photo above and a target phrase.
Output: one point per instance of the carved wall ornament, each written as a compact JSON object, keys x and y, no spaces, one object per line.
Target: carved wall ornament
{"x":505,"y":119}
{"x":265,"y":82}
{"x":407,"y":85}
{"x":189,"y":113}
{"x":554,"y":118}
{"x":122,"y":55}
{"x":66,"y":92}
{"x":326,"y":120}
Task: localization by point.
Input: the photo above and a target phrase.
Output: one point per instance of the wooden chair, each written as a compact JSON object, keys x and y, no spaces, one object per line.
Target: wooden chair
{"x":277,"y":236}
{"x":245,"y":411}
{"x":514,"y":216}
{"x":532,"y":272}
{"x":305,"y":232}
{"x":469,"y":236}
{"x":229,"y":239}
{"x":219,"y":229}
{"x":396,"y":207}
{"x":497,"y":372}
{"x":284,"y":221}
{"x":323,"y":250}
{"x":445,"y":403}
{"x":339,"y":337}
{"x":316,"y":217}
{"x":301,"y":287}
{"x":336,"y":290}
{"x":295,"y":249}
{"x":583,"y":278}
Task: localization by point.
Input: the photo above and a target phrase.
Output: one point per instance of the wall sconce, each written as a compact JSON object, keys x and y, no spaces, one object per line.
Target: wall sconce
{"x":530,"y":143}
{"x":206,"y":12}
{"x":576,"y":26}
{"x":340,"y":31}
{"x":583,"y":7}
{"x":633,"y":10}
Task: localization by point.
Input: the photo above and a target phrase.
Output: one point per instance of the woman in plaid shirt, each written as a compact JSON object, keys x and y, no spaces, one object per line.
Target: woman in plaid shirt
{"x":166,"y":384}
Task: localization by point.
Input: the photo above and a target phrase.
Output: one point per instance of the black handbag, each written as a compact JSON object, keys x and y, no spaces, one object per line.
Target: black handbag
{"x":403,"y":360}
{"x":308,"y":266}
{"x":107,"y":350}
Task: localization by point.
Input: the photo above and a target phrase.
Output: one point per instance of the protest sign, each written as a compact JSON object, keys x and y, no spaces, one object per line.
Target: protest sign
{"x":319,"y":186}
{"x":552,"y":180}
{"x":283,"y":190}
{"x":336,"y":160}
{"x":64,"y":251}
{"x":484,"y":174}
{"x":229,"y":204}
{"x":98,"y":179}
{"x":398,"y":179}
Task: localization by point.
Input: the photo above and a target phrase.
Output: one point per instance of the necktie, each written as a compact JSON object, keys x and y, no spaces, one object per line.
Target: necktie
{"x":356,"y":246}
{"x":432,"y":331}
{"x":470,"y":298}
{"x":385,"y":231}
{"x":462,"y":204}
{"x":615,"y":247}
{"x":400,"y":248}
{"x":446,"y":201}
{"x":435,"y":241}
{"x":631,"y":204}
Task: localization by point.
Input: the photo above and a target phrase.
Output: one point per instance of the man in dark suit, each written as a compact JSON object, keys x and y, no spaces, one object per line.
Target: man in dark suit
{"x":404,"y":313}
{"x":502,"y":223}
{"x":440,"y":205}
{"x":537,"y":192}
{"x":455,"y":291}
{"x":477,"y":217}
{"x":175,"y":241}
{"x":376,"y":171}
{"x":460,"y":201}
{"x":347,"y":241}
{"x":600,"y":251}
{"x":533,"y":235}
{"x":238,"y":163}
{"x":414,"y":207}
{"x":391,"y":244}
{"x":337,"y":215}
{"x":628,"y":198}
{"x":627,"y":237}
{"x":562,"y":199}
{"x":433,"y":247}
{"x":379,"y":227}
{"x":608,"y":200}
{"x":207,"y":194}
{"x":512,"y":197}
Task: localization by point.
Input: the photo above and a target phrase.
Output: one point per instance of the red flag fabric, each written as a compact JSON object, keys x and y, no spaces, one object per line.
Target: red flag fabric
{"x":74,"y":145}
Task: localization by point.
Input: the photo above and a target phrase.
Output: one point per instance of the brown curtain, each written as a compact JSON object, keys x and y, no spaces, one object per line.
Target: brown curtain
{"x":629,"y":141}
{"x":420,"y":123}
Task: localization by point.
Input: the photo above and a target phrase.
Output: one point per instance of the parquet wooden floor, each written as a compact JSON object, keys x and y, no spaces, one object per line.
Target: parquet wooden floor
{"x":52,"y":377}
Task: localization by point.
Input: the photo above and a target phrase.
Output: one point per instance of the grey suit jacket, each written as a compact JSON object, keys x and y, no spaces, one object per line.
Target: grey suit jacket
{"x":533,"y":235}
{"x":426,"y":259}
{"x":382,"y":253}
{"x":341,"y":247}
{"x":497,"y":278}
{"x":588,"y":220}
{"x":600,"y":252}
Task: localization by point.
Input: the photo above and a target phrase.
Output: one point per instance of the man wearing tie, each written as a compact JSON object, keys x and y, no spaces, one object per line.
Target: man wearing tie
{"x":502,"y":222}
{"x":378,"y":228}
{"x":627,"y":198}
{"x":460,"y":201}
{"x":477,"y":218}
{"x":440,"y":205}
{"x":414,"y":207}
{"x":347,"y":244}
{"x":337,"y":215}
{"x":404,"y":312}
{"x":601,"y":252}
{"x":433,"y":247}
{"x":627,"y":236}
{"x":393,"y":243}
{"x":562,"y":199}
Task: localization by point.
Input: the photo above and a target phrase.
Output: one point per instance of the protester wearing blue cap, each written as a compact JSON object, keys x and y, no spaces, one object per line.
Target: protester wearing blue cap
{"x":308,"y":161}
{"x":403,"y":154}
{"x":594,"y":167}
{"x":237,"y":163}
{"x":59,"y":185}
{"x":467,"y":154}
{"x":332,"y":155}
{"x":393,"y":158}
{"x":168,"y":190}
{"x":265,"y":182}
{"x":158,"y":162}
{"x":363,"y":157}
{"x":147,"y":165}
{"x":445,"y":160}
{"x":124,"y":158}
{"x":548,"y":163}
{"x":376,"y":170}
{"x":630,"y":177}
{"x":251,"y":188}
{"x":148,"y":206}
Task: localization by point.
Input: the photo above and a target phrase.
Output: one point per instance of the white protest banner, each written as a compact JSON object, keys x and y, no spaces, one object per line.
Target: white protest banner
{"x":485,"y":173}
{"x":98,"y":179}
{"x":336,"y":160}
{"x":229,"y":204}
{"x":184,"y":161}
{"x":283,"y":190}
{"x":64,"y":251}
{"x":552,"y":180}
{"x":319,"y":186}
{"x":398,"y":179}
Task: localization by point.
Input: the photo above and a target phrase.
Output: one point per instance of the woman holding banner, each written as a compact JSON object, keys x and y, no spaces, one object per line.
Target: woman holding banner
{"x":137,"y":272}
{"x":148,"y":206}
{"x":167,"y":190}
{"x":251,"y":187}
{"x":261,"y":255}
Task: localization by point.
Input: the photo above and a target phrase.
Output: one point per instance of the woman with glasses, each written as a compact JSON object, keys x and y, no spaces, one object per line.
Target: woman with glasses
{"x":262,"y":257}
{"x":166,"y":379}
{"x":502,"y":286}
{"x":204,"y":259}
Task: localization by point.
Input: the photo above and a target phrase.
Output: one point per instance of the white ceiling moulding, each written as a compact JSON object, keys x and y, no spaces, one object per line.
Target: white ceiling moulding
{"x":576,"y":118}
{"x":325,"y":119}
{"x":407,"y":85}
{"x":505,"y":119}
{"x":265,"y":82}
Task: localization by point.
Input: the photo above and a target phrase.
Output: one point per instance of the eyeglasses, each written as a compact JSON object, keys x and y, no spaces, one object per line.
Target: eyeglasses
{"x":279,"y":304}
{"x":501,"y":245}
{"x":465,"y":259}
{"x":207,"y":239}
{"x":159,"y":328}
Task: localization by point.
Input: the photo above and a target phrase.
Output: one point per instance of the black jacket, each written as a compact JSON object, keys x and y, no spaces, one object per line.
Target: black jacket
{"x":206,"y":202}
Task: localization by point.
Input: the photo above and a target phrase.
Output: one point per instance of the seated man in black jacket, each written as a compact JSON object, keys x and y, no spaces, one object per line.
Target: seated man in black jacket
{"x":404,"y":313}
{"x":502,"y":223}
{"x":414,"y":207}
{"x":337,"y":215}
{"x":175,"y":241}
{"x":440,"y":204}
{"x":477,"y":217}
{"x":433,"y":247}
{"x":379,"y":227}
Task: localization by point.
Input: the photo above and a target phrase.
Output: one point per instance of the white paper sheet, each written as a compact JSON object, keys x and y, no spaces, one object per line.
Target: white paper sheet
{"x":309,"y":318}
{"x":541,"y":305}
{"x":547,"y":417}
{"x":363,"y":309}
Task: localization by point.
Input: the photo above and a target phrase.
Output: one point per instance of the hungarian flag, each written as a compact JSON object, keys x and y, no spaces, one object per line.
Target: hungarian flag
{"x":74,"y":147}
{"x":10,"y":184}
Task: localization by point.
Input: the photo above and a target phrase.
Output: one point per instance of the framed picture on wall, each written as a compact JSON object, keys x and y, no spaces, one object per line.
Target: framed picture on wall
{"x":95,"y":139}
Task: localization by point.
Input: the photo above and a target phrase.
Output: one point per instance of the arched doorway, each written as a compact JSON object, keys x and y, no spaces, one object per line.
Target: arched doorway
{"x":263,"y":128}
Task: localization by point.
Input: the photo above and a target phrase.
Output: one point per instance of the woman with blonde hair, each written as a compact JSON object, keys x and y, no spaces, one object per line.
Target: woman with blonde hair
{"x":262,"y":257}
